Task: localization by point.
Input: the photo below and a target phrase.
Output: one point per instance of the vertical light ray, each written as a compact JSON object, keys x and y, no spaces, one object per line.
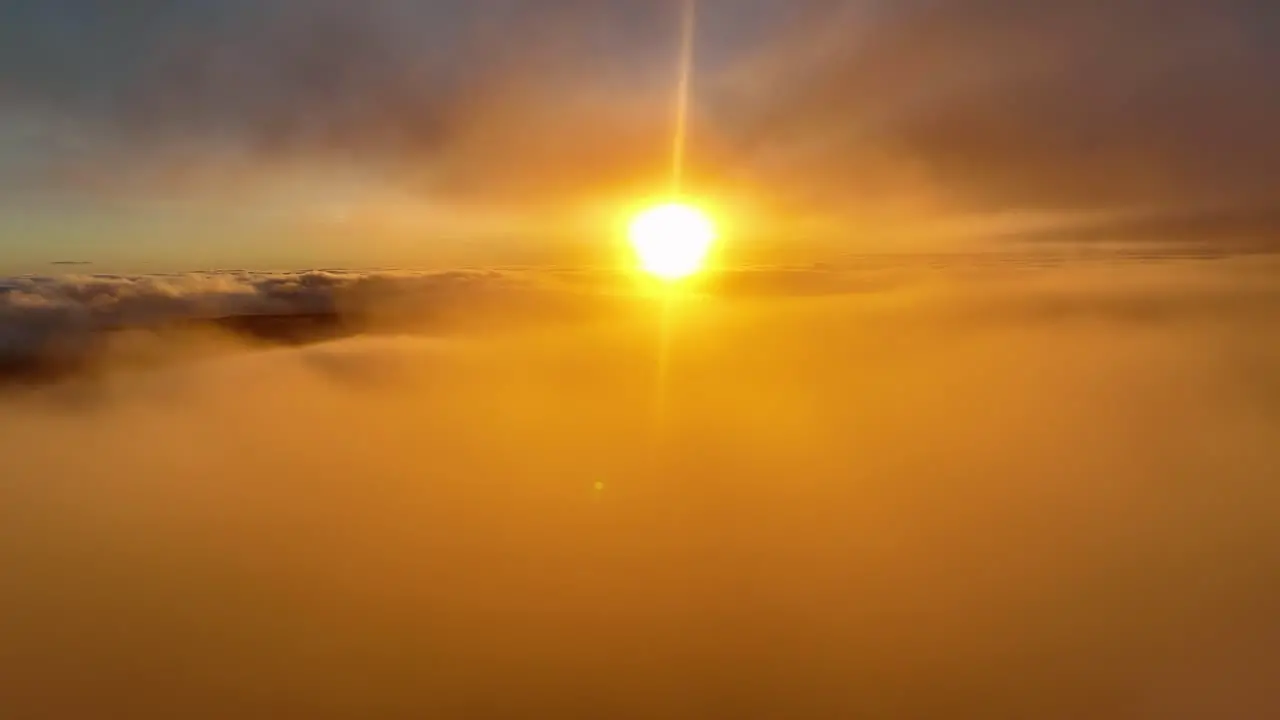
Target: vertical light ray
{"x":679,"y":153}
{"x":684,"y":93}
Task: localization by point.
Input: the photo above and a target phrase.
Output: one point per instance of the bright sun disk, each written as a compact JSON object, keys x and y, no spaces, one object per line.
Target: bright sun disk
{"x":672,"y":240}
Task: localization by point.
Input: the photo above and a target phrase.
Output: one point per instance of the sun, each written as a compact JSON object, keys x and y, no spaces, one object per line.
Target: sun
{"x":671,"y":241}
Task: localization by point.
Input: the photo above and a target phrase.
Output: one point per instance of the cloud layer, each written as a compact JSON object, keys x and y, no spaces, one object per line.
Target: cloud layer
{"x":984,"y":489}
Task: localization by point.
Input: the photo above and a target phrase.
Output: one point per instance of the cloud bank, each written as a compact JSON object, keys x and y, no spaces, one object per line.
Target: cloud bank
{"x":73,"y":311}
{"x":66,"y":318}
{"x":985,"y":489}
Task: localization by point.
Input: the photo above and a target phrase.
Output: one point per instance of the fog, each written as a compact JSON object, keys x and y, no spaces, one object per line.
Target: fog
{"x":975,"y":490}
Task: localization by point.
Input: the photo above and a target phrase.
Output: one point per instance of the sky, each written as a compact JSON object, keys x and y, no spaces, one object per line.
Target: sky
{"x":194,"y":134}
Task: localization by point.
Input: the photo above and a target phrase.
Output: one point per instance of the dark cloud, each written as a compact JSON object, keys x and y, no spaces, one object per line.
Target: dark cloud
{"x":1049,"y":104}
{"x":444,"y":95}
{"x":844,"y":108}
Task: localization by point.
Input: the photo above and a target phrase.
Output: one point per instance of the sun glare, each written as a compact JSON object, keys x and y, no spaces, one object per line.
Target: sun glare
{"x":672,"y":241}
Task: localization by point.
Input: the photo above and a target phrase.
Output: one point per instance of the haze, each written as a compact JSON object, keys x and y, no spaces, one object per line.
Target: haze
{"x":327,"y":389}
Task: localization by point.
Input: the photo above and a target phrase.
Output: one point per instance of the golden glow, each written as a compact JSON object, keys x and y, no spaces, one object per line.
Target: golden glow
{"x":672,"y":241}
